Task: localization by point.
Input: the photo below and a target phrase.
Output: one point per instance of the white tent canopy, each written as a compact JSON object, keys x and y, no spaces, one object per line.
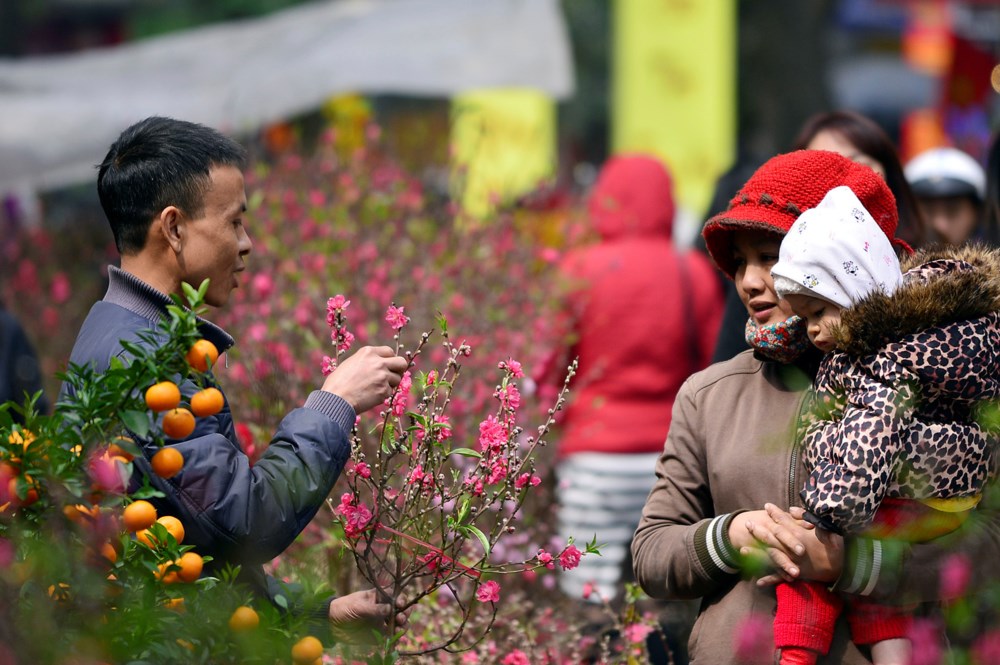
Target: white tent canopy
{"x":58,"y":114}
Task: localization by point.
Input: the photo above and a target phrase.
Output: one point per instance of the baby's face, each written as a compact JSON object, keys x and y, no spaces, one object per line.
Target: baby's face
{"x":820,"y":316}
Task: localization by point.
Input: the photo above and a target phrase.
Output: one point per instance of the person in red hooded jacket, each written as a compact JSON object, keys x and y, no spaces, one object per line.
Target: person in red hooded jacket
{"x":640,"y":317}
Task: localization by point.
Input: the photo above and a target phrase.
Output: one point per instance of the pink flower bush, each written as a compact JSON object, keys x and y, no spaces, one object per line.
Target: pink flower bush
{"x":440,"y":514}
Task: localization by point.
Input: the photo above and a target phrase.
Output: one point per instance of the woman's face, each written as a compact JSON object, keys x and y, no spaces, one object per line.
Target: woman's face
{"x":755,"y":253}
{"x":836,"y":142}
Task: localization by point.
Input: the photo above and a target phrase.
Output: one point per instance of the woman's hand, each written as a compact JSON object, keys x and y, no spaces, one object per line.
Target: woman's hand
{"x":796,"y":549}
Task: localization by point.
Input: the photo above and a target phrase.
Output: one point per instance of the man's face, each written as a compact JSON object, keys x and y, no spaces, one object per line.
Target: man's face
{"x":216,"y":242}
{"x":953,"y":218}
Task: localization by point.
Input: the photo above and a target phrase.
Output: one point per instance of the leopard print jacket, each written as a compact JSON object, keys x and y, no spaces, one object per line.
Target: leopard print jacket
{"x":909,"y":407}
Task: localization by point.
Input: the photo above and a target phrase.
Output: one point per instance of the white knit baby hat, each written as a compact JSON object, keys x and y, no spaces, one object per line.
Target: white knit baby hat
{"x":837,"y":252}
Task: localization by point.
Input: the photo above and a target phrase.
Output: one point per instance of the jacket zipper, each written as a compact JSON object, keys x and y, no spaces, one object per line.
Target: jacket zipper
{"x":796,"y":447}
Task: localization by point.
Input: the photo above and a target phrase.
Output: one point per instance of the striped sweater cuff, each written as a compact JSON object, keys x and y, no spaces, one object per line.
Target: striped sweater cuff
{"x":334,"y":407}
{"x":862,"y":566}
{"x":716,"y":553}
{"x":872,"y":567}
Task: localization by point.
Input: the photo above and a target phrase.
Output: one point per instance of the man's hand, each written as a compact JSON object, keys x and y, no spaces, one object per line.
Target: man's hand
{"x":358,"y":614}
{"x":796,"y":548}
{"x":366,"y":378}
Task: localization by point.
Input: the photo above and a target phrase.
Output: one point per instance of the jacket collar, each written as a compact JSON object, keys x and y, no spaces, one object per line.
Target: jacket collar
{"x":941,"y":286}
{"x":128,"y":291}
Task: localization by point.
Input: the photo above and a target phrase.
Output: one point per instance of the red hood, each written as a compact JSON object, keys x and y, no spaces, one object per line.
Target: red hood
{"x":633,"y":196}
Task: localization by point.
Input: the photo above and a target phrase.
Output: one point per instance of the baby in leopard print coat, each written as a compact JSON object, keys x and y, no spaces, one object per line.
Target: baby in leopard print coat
{"x":900,"y":435}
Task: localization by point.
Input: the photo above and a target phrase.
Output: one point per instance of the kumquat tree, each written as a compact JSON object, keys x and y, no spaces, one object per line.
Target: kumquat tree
{"x":86,"y":562}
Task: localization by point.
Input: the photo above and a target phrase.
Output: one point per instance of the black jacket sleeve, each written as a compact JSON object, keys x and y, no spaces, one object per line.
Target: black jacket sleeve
{"x":250,"y":514}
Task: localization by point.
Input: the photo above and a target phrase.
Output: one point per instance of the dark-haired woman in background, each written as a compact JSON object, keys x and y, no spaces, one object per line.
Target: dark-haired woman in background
{"x":862,"y":140}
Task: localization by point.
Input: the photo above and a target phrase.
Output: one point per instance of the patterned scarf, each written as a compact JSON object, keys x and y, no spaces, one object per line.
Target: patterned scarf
{"x":783,"y":342}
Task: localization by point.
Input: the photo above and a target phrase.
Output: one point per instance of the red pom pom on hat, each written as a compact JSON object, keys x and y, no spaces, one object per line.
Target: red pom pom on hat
{"x":787,"y":185}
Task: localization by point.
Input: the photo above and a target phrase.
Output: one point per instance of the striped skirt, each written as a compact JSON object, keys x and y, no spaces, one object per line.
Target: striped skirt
{"x":601,"y":494}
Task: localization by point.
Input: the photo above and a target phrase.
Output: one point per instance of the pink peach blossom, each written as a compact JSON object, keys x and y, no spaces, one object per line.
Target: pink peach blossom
{"x":637,"y":632}
{"x":488,"y":592}
{"x":60,"y":288}
{"x":516,"y":657}
{"x":395,"y":318}
{"x":955,"y":575}
{"x":569,"y":558}
{"x":753,"y":639}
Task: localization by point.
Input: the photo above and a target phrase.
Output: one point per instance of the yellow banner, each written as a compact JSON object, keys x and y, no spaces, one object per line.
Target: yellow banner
{"x":503,"y":145}
{"x":674,"y":88}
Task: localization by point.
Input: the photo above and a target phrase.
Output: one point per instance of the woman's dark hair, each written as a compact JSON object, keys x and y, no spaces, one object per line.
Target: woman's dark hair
{"x":155,"y":163}
{"x":866,"y":135}
{"x":991,"y":205}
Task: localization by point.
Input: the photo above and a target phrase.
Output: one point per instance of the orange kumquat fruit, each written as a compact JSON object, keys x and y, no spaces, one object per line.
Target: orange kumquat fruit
{"x":178,"y":423}
{"x":243,"y":619}
{"x":207,"y":402}
{"x":202,"y":355}
{"x":166,"y":576}
{"x":139,"y":515}
{"x":109,"y":552}
{"x":191,"y":565}
{"x":167,"y":462}
{"x":176,"y":604}
{"x":173,"y":526}
{"x":307,"y":650}
{"x":163,"y":396}
{"x":115,"y":450}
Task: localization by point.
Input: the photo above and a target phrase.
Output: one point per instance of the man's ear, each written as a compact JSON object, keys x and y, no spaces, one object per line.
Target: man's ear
{"x":170,"y":226}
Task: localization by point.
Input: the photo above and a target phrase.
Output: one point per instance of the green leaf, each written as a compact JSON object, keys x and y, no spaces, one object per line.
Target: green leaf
{"x":463,"y":510}
{"x":281,"y":601}
{"x":442,"y":323}
{"x":481,"y":536}
{"x":466,"y":452}
{"x":137,"y":422}
{"x":388,"y":437}
{"x":202,"y":290}
{"x":189,"y":292}
{"x":147,"y":492}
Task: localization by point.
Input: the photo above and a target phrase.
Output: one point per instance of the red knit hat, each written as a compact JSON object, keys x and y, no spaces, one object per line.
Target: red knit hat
{"x":788,"y":185}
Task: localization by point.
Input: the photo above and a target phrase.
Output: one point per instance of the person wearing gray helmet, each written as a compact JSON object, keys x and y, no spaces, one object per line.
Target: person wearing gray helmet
{"x":950,"y":187}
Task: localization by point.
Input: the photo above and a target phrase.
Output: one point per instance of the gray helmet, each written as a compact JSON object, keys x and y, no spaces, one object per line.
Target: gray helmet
{"x":946,"y":172}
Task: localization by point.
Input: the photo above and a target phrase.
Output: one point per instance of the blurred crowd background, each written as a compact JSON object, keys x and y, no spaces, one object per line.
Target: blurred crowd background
{"x":702,"y":85}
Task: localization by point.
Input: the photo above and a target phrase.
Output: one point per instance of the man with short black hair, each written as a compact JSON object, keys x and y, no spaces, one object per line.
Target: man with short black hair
{"x":174,"y":195}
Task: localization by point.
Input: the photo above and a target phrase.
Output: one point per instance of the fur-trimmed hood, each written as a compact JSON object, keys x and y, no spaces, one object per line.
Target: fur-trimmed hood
{"x":941,"y":285}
